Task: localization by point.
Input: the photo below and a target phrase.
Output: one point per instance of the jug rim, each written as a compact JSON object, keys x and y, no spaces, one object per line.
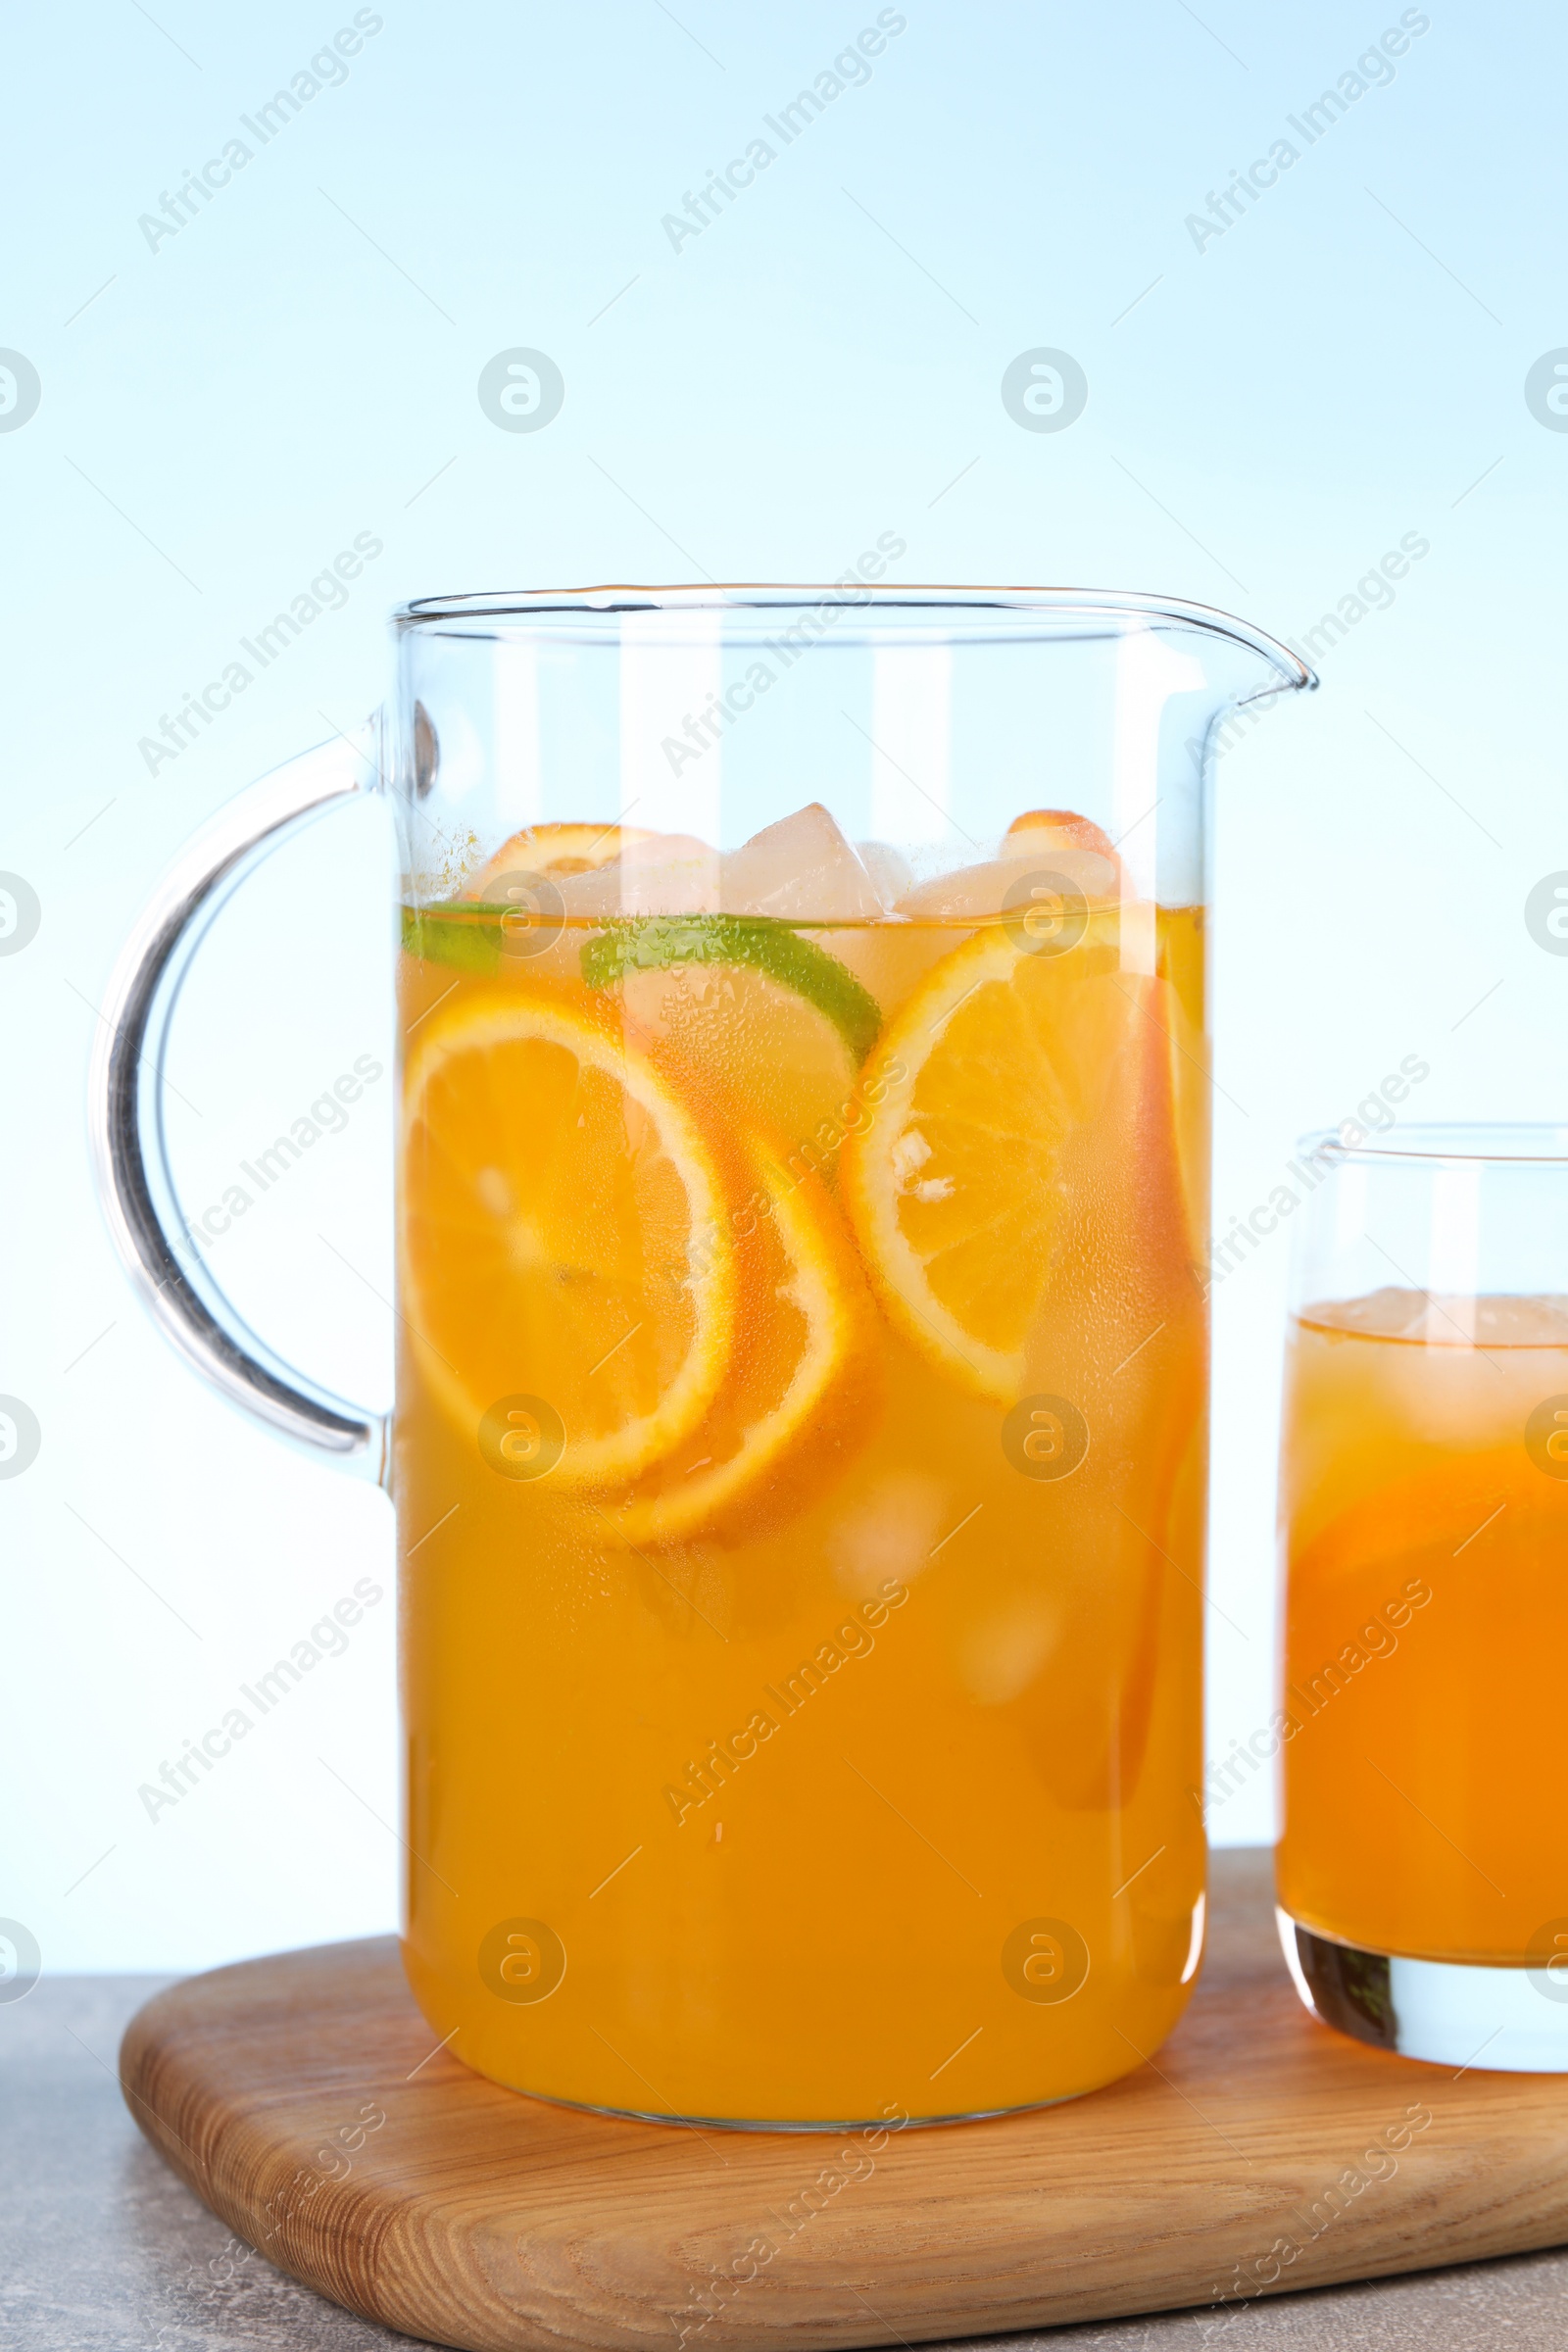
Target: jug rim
{"x":1438,"y":1142}
{"x":599,"y":611}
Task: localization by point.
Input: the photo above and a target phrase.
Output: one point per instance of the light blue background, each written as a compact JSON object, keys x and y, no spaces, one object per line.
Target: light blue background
{"x":219,"y":417}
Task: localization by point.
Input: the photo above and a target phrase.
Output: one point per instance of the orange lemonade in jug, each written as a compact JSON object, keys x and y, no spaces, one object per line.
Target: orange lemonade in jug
{"x":801,"y":1470}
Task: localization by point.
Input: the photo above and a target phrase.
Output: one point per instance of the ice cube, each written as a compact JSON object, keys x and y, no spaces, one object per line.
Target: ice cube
{"x":890,"y":871}
{"x":888,"y":1533}
{"x":802,"y":869}
{"x":980,"y":890}
{"x":592,"y":894}
{"x":655,"y":873}
{"x":670,"y":873}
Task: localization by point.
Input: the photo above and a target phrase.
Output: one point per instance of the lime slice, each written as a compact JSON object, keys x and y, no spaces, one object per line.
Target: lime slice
{"x":659,"y":943}
{"x":466,"y":937}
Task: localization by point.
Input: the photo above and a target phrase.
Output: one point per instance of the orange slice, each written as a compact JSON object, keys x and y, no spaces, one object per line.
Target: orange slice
{"x":986,"y":1081}
{"x":1441,"y":1508}
{"x":800,"y":1395}
{"x":556,"y":1187}
{"x":556,"y":851}
{"x":1063,"y":826}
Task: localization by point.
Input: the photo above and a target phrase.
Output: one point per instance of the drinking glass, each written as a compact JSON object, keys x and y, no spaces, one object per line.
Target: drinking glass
{"x":799,"y":1442}
{"x":1423,"y":1886}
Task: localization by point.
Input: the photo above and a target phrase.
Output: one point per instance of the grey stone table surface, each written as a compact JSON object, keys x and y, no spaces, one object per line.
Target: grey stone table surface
{"x":103,"y":2250}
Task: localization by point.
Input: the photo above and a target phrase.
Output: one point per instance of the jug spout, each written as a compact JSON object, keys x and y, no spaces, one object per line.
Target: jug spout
{"x":1185,"y":684}
{"x":1246,"y":672}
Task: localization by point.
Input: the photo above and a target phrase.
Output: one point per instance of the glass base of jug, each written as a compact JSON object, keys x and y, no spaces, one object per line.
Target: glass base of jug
{"x":1497,"y":2020}
{"x":881,"y":2128}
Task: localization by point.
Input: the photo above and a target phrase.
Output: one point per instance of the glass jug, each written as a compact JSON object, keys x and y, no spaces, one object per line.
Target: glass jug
{"x":800,"y":1445}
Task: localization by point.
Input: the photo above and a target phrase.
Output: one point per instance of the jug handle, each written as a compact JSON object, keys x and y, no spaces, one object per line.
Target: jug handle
{"x":126,"y":1107}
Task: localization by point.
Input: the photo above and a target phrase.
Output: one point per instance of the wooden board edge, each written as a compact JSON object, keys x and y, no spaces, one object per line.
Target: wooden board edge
{"x":490,"y":2290}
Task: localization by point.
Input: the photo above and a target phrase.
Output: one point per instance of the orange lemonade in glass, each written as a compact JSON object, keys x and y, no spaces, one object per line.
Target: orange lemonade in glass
{"x":801,"y":1470}
{"x":1426,"y":1508}
{"x":1423,"y":1894}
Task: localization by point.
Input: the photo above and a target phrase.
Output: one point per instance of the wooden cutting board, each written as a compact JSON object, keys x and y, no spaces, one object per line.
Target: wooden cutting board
{"x":1259,"y":2152}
